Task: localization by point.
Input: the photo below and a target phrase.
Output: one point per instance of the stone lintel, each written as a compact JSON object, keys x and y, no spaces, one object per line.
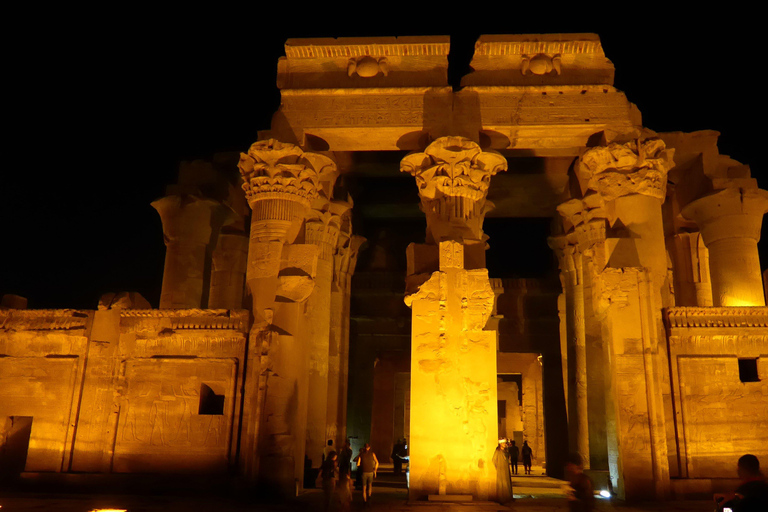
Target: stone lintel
{"x":532,"y":59}
{"x":197,"y":319}
{"x":543,"y":120}
{"x":360,"y":62}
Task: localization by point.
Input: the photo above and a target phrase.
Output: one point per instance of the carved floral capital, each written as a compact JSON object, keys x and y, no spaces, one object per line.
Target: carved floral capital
{"x":274,"y":168}
{"x":636,"y":167}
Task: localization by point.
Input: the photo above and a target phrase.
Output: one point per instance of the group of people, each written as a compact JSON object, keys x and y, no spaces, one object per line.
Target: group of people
{"x":336,"y":472}
{"x":505,"y":459}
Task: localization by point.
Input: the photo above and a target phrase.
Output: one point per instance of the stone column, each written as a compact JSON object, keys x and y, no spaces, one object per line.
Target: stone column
{"x":228,"y":265}
{"x":190,"y":227}
{"x":321,"y":229}
{"x":453,"y":360}
{"x":730,"y":221}
{"x":578,"y":420}
{"x":345,"y":259}
{"x":630,"y":181}
{"x":691,"y":264}
{"x":281,"y":182}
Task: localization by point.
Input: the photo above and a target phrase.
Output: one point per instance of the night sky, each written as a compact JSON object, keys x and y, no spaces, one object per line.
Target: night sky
{"x":100,"y":112}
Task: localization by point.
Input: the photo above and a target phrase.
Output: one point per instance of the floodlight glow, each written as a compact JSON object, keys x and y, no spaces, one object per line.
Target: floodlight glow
{"x":605,"y":494}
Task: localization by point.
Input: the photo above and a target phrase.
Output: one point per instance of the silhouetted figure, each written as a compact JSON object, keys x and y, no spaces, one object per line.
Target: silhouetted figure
{"x":369,"y":464}
{"x":359,"y":471}
{"x":514,"y":456}
{"x":752,"y":494}
{"x":397,"y":456}
{"x":527,"y":456}
{"x":344,"y":491}
{"x":582,"y":498}
{"x":328,"y":449}
{"x":328,"y":474}
{"x":345,"y":459}
{"x":503,"y":480}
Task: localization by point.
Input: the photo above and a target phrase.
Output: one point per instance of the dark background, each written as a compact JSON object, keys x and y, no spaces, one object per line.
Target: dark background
{"x":101,"y":105}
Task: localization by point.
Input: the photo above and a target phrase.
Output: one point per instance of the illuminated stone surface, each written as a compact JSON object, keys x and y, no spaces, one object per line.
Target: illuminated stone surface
{"x":647,"y":357}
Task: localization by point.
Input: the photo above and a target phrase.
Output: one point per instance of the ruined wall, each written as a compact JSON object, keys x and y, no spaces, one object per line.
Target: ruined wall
{"x":123,"y":390}
{"x":719,"y":365}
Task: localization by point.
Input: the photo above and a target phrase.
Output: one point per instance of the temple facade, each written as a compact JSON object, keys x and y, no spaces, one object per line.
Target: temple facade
{"x":337,"y":280}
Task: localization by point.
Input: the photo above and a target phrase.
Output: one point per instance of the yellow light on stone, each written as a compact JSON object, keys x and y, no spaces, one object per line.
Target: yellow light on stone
{"x":109,"y":510}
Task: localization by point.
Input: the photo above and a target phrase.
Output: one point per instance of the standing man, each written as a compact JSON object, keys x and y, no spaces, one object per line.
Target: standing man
{"x":368,"y":464}
{"x":514,"y":456}
{"x":527,"y":456}
{"x":345,"y":459}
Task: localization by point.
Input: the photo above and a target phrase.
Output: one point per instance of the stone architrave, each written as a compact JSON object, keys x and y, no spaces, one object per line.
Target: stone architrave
{"x":453,"y":382}
{"x":190,"y":227}
{"x":281,"y":181}
{"x":730,"y":221}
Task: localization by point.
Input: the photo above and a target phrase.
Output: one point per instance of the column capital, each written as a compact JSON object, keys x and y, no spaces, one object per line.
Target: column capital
{"x":281,"y":181}
{"x":453,"y":175}
{"x":273,"y":168}
{"x":729,"y":213}
{"x":636,"y":167}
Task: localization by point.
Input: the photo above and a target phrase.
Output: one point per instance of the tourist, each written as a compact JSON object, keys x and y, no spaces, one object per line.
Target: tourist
{"x":503,"y":480}
{"x":328,"y":449}
{"x":328,"y":475}
{"x":397,"y":451}
{"x":345,"y":459}
{"x":514,"y":456}
{"x":582,"y":496}
{"x":369,"y":464}
{"x":752,"y":494}
{"x":527,"y":456}
{"x":344,"y":491}
{"x":358,"y":471}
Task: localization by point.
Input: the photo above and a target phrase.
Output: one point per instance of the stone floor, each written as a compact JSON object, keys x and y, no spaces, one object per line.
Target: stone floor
{"x":389,"y":494}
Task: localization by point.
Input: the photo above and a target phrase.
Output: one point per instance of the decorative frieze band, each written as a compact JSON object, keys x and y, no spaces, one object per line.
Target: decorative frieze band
{"x":42,"y":319}
{"x":682,"y":317}
{"x":297,"y":50}
{"x":194,"y":318}
{"x":534,"y":47}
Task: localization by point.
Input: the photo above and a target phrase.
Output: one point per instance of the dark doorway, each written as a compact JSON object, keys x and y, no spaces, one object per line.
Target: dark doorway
{"x":14,"y":444}
{"x":210,"y":403}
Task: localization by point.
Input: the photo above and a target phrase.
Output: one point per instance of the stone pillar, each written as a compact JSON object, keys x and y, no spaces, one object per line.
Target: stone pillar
{"x":321,"y":229}
{"x":730,"y":221}
{"x":691,"y":265}
{"x":453,"y":360}
{"x":190,"y":227}
{"x":228,"y":265}
{"x":630,"y":181}
{"x":453,"y":382}
{"x":573,"y":274}
{"x":345,"y":259}
{"x":281,"y":182}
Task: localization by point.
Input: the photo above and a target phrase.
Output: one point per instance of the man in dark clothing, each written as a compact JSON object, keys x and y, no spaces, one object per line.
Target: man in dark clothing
{"x":527,"y":457}
{"x":514,"y":456}
{"x":397,"y":460}
{"x":345,"y":459}
{"x":752,"y":494}
{"x":328,"y":476}
{"x":582,"y":499}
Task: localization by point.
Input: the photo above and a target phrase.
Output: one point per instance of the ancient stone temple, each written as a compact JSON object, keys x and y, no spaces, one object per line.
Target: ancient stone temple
{"x":356,"y":273}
